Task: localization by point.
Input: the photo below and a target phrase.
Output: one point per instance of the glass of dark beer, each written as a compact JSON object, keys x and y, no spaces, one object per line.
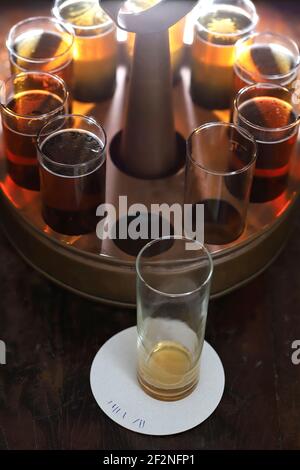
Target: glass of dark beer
{"x":220,"y":167}
{"x":266,"y":58}
{"x":71,"y":153}
{"x":42,"y":43}
{"x":28,"y":101}
{"x":267,"y":111}
{"x":220,"y":24}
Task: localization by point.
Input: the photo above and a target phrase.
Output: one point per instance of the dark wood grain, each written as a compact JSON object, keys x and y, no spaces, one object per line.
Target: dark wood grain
{"x":52,"y":337}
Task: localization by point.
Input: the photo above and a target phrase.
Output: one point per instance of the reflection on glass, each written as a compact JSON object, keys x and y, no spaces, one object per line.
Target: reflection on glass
{"x":43,"y":44}
{"x":265,"y":58}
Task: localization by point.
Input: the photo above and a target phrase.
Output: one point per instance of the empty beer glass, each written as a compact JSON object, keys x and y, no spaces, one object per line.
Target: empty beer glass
{"x":220,"y":166}
{"x":173,"y":285}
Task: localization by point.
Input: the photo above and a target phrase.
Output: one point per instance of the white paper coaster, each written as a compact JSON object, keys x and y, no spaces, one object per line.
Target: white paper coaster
{"x":117,"y":392}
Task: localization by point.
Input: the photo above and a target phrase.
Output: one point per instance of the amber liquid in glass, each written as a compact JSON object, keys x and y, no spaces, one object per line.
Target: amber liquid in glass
{"x":70,"y":198}
{"x":43,"y":45}
{"x":257,"y":62}
{"x":95,"y":50}
{"x":273,"y":157}
{"x":19,"y":141}
{"x":168,"y":373}
{"x":213,"y":57}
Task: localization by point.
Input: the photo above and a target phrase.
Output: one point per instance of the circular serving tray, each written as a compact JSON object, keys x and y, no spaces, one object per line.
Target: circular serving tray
{"x":104,"y":272}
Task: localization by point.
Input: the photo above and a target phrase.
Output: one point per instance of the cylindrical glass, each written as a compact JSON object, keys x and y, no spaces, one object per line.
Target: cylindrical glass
{"x":28,"y":101}
{"x":71,"y":153}
{"x":267,"y":112}
{"x":95,"y":48}
{"x":41,"y":43}
{"x":220,"y":24}
{"x":219,"y":172}
{"x":173,"y":284}
{"x":265,"y":58}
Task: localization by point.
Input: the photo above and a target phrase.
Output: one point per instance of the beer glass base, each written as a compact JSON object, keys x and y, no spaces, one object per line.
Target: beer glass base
{"x":210,"y":98}
{"x":87,"y":94}
{"x":169,"y":372}
{"x":70,"y":222}
{"x":210,"y":94}
{"x":268,"y":189}
{"x":167,"y":394}
{"x":223,"y":222}
{"x":24,"y":176}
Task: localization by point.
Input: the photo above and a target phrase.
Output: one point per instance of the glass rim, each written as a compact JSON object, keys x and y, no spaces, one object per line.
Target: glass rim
{"x":67,"y":27}
{"x":275,"y":35}
{"x":72,"y":165}
{"x":241,"y":130}
{"x":54,"y":71}
{"x":256,"y":126}
{"x":184,"y":239}
{"x":254,"y":18}
{"x":29,"y":116}
{"x":56,"y":12}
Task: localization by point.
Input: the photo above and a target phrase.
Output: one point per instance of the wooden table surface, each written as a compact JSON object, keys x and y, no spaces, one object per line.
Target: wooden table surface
{"x":52,"y":337}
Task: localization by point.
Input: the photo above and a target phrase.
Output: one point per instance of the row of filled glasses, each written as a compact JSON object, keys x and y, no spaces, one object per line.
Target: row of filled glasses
{"x":79,"y":44}
{"x":47,"y":149}
{"x":227,"y":164}
{"x":228,"y":54}
{"x":223,"y":167}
